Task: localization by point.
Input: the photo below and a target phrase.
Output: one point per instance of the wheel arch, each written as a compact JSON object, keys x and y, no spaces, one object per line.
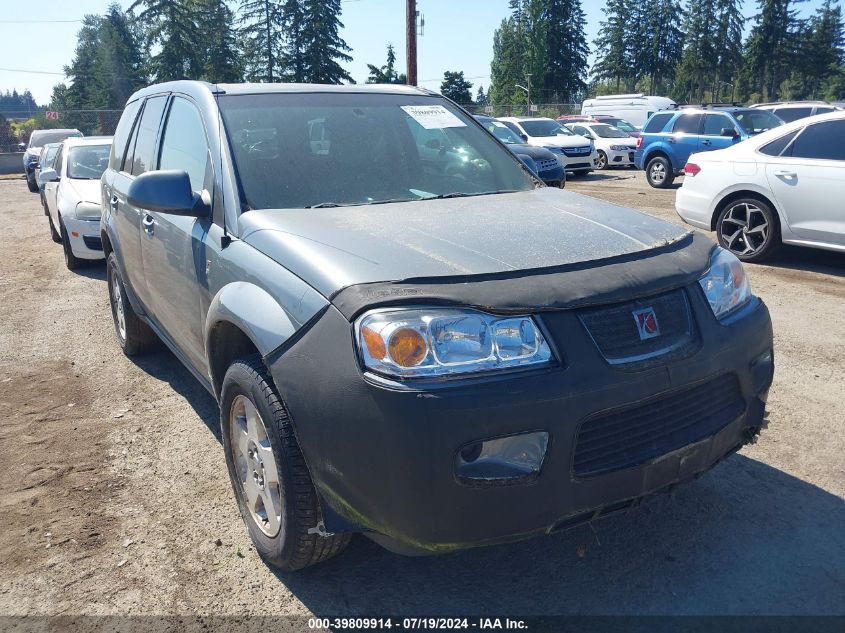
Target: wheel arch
{"x":738,"y":194}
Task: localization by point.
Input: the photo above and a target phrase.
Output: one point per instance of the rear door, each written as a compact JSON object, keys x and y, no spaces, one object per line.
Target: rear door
{"x":808,"y":181}
{"x":711,"y":133}
{"x":140,"y":157}
{"x":685,"y":138}
{"x":172,"y":246}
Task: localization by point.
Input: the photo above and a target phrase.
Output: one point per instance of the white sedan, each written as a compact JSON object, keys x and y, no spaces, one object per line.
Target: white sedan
{"x":72,"y":197}
{"x":786,"y":185}
{"x":613,"y":146}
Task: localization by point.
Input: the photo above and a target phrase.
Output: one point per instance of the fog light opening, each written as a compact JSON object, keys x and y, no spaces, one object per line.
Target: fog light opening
{"x":508,"y":459}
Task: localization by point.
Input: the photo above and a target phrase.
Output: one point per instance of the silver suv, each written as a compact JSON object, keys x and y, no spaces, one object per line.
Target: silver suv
{"x":437,"y":353}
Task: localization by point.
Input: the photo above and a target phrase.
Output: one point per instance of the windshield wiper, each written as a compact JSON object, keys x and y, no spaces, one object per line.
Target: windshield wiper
{"x":323,"y":205}
{"x":461,"y":194}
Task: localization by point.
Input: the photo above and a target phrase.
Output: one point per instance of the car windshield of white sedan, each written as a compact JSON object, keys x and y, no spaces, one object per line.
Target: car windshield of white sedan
{"x":87,"y":162}
{"x":757,"y":121}
{"x":503,"y":132}
{"x":623,"y":125}
{"x":544,"y":128}
{"x":608,"y":131}
{"x":294,"y":151}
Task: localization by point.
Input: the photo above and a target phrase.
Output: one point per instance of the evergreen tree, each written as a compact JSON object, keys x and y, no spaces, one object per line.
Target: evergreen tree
{"x":820,"y":51}
{"x":386,"y":74}
{"x":120,"y":64}
{"x":221,"y":60}
{"x":663,"y":43}
{"x":699,"y":58}
{"x":566,"y":49}
{"x":456,"y":88}
{"x":770,"y":48}
{"x":261,"y":29}
{"x":613,"y":58}
{"x":507,"y":67}
{"x":314,"y":48}
{"x":729,"y":26}
{"x":480,"y":97}
{"x":171,"y":26}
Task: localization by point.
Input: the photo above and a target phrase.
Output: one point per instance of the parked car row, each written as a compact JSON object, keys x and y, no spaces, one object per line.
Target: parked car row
{"x":37,"y":140}
{"x":426,"y":347}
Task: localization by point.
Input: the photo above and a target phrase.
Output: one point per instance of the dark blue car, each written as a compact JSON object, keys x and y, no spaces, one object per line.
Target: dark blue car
{"x":669,"y":137}
{"x":540,"y":160}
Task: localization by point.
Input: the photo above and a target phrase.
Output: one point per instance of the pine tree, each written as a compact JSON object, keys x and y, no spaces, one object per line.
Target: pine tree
{"x":171,"y":26}
{"x":261,"y":29}
{"x":663,"y":42}
{"x":507,"y":67}
{"x":480,"y":97}
{"x":456,"y":88}
{"x":120,"y":64}
{"x":566,"y":50}
{"x":613,"y":58}
{"x":770,"y":48}
{"x":221,"y":60}
{"x":699,"y":58}
{"x":386,"y":74}
{"x":820,"y":54}
{"x":314,"y":48}
{"x":728,"y":44}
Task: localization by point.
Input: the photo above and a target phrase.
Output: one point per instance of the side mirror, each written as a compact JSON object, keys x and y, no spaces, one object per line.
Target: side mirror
{"x":48,"y":175}
{"x":523,"y":136}
{"x":729,"y":132}
{"x":167,"y":191}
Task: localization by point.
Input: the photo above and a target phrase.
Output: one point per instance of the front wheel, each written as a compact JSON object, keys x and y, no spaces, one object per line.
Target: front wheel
{"x":134,"y":336}
{"x":30,"y":182}
{"x":275,"y":494}
{"x":749,"y":229}
{"x":601,"y":161}
{"x":71,"y":261}
{"x":659,"y":172}
{"x":54,"y":234}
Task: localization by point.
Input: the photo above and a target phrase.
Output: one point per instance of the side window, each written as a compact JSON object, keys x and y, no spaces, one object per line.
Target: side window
{"x":581,"y":130}
{"x":121,"y":135}
{"x":823,"y":110}
{"x":59,"y":159}
{"x":822,"y":141}
{"x":657,"y":123}
{"x":776,"y":147}
{"x":713,"y":124}
{"x":144,"y":157}
{"x":687,"y":124}
{"x":793,"y":114}
{"x":513,"y":127}
{"x":184,"y":144}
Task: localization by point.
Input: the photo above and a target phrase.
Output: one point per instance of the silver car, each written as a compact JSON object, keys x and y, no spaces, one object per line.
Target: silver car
{"x":421,"y":344}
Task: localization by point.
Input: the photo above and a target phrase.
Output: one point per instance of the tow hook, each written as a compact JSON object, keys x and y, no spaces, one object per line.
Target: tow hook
{"x":320,"y":530}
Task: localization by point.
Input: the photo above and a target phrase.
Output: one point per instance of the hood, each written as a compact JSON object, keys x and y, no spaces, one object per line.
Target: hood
{"x":559,"y":141}
{"x":627,"y":141}
{"x":81,"y":190}
{"x":532,"y":151}
{"x":338,"y":247}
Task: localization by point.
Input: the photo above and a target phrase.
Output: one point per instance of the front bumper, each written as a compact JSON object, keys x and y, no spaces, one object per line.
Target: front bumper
{"x":620,"y":157}
{"x":552,"y":176}
{"x":84,"y":235}
{"x":382,"y":454}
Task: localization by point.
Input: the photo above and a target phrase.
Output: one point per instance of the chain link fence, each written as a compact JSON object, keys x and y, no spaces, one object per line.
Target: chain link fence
{"x":550,"y":110}
{"x":19,"y":126}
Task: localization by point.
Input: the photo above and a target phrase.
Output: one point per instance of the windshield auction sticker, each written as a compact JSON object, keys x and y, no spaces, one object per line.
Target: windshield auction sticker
{"x":433,"y":117}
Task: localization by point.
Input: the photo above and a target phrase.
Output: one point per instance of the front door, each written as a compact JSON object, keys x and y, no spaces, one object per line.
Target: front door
{"x":711,"y":134}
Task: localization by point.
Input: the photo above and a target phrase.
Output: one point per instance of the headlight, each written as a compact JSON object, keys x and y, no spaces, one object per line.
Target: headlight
{"x":725,"y":284}
{"x":88,"y":211}
{"x":419,"y":342}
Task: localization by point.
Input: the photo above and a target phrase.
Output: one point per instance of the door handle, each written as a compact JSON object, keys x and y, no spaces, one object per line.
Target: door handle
{"x":706,"y":142}
{"x":670,"y":140}
{"x":149,"y":224}
{"x":114,"y":202}
{"x":783,"y":173}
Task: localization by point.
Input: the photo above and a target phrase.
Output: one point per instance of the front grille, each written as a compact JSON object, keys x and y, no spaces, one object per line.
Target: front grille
{"x":547,"y":163}
{"x":93,"y":243}
{"x":576,"y":151}
{"x":636,"y":435}
{"x":614,"y":329}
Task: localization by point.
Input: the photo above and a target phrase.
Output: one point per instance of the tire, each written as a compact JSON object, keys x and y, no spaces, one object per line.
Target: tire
{"x":283,"y":516}
{"x":658,"y":172}
{"x":53,"y":232}
{"x":580,"y":172}
{"x":71,"y":261}
{"x":33,"y":186}
{"x":601,"y":163}
{"x":749,"y":228}
{"x":135,"y":337}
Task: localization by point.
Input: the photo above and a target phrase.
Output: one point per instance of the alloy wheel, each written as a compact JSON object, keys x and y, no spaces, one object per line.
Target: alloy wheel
{"x":657,"y":172}
{"x":117,"y":304}
{"x":744,"y":229}
{"x":255,"y":465}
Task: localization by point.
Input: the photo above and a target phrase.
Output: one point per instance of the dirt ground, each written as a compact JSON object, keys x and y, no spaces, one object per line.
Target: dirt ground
{"x":114,"y":497}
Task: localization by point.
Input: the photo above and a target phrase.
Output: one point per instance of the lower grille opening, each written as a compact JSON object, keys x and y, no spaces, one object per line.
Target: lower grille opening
{"x":635,"y":435}
{"x":93,"y":243}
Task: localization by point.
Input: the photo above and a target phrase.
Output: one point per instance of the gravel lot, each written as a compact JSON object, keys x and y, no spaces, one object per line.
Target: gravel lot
{"x":114,"y":497}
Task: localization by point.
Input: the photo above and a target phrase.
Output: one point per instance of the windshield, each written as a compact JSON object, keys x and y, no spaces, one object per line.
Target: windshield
{"x":608,"y":131}
{"x":756,"y":121}
{"x":87,"y":162}
{"x":544,"y":127}
{"x":622,"y":124}
{"x":502,"y":132}
{"x":341,"y":149}
{"x":42,"y":137}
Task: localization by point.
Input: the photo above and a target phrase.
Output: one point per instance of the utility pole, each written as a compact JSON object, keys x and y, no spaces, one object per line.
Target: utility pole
{"x":411,"y":41}
{"x":528,"y":96}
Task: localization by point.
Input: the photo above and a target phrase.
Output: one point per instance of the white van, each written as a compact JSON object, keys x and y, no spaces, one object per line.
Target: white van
{"x":635,"y":108}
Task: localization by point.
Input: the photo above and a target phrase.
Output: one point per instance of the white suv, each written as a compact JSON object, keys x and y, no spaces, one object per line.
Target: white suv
{"x":577,"y":154}
{"x":791,"y":111}
{"x":72,"y":197}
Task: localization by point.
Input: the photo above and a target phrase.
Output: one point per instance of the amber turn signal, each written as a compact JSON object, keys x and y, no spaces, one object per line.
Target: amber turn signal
{"x":374,"y":343}
{"x":407,"y":347}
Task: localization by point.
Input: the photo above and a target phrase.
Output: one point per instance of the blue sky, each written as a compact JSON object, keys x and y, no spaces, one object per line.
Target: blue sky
{"x":458,"y":36}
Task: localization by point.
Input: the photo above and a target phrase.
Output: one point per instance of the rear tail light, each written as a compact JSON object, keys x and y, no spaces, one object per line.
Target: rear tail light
{"x":691,"y":169}
{"x":639,"y":142}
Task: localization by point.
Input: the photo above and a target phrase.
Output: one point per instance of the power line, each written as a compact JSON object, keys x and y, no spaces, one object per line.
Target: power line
{"x":32,"y":72}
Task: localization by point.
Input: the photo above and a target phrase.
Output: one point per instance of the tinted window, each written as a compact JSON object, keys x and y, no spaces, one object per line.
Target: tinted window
{"x":51,"y":156}
{"x":713,"y":124}
{"x":184,"y":145}
{"x":544,"y":127}
{"x":776,"y":147}
{"x":687,"y":124}
{"x":823,"y":110}
{"x":514,"y":127}
{"x":144,"y":157}
{"x":822,"y":140}
{"x":60,"y":155}
{"x":793,"y":114}
{"x":370,"y":148}
{"x":657,"y":123}
{"x":756,"y":121}
{"x":87,"y":162}
{"x":121,"y":135}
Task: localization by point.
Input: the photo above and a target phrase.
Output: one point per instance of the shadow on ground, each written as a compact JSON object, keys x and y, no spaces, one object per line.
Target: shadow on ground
{"x":812,"y":259}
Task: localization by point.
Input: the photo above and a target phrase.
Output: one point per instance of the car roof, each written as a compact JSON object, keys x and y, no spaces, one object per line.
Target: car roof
{"x":199,"y":87}
{"x":67,"y":130}
{"x":520,"y":119}
{"x":88,"y":140}
{"x":795,"y":104}
{"x":782,"y":130}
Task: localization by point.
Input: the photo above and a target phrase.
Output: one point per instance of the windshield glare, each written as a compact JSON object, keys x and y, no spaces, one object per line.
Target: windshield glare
{"x":608,"y":131}
{"x":341,"y":149}
{"x":87,"y":162}
{"x":544,"y":127}
{"x":502,"y":132}
{"x":756,"y":121}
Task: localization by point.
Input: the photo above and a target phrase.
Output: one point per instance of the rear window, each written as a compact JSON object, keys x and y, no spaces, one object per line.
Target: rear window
{"x":144,"y":158}
{"x":793,"y":114}
{"x":687,"y":124}
{"x":657,"y":122}
{"x":776,"y":147}
{"x":821,"y":141}
{"x":43,"y":137}
{"x":121,"y":135}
